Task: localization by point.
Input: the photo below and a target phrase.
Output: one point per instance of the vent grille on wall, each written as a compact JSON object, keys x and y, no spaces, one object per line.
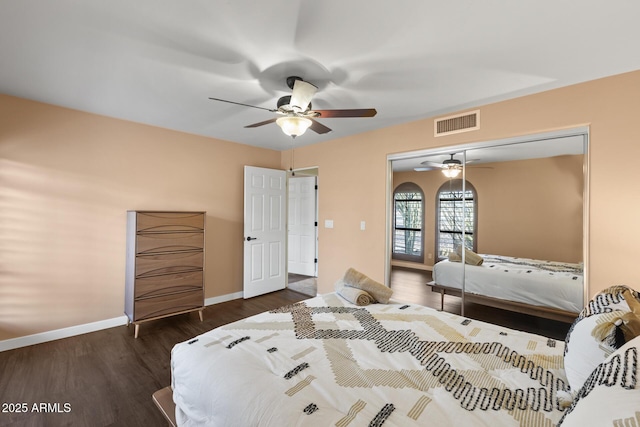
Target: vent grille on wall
{"x":464,"y":122}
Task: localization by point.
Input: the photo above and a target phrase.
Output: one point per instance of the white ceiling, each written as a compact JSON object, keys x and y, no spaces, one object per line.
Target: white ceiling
{"x":501,"y":152}
{"x":157,"y":62}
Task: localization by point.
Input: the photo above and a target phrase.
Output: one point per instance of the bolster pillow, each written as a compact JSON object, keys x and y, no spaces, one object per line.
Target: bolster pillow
{"x":470,"y":257}
{"x":378,"y":291}
{"x":353,"y":295}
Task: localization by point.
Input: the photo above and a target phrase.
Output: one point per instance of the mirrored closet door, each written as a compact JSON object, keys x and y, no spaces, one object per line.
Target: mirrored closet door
{"x":518,"y":208}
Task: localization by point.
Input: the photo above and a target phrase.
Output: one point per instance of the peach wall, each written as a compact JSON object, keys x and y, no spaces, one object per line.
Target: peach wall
{"x":526,"y":208}
{"x":67,"y":179}
{"x":356,"y":166}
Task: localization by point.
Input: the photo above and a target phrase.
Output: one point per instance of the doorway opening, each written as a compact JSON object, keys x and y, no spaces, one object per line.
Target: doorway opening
{"x":302,"y":231}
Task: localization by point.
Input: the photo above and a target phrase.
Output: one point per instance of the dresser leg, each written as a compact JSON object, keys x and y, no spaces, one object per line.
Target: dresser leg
{"x":135,"y":334}
{"x":200,"y":314}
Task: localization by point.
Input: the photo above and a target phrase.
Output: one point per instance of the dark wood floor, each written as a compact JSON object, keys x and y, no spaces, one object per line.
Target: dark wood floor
{"x":107,"y":377}
{"x":293,"y":277}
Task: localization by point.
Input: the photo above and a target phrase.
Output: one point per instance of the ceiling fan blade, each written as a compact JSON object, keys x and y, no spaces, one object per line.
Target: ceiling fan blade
{"x":318,"y":127}
{"x":358,"y":112}
{"x":244,"y":105}
{"x":302,"y":94}
{"x":431,"y":165}
{"x":425,"y":169}
{"x":266,"y":122}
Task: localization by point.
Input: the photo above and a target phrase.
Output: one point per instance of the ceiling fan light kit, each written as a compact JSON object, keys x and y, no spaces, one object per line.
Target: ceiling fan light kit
{"x":451,"y":172}
{"x":297,"y":110}
{"x":451,"y":168}
{"x":293,"y":125}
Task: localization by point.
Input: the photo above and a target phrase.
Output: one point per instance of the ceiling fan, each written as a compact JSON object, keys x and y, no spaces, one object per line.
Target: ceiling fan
{"x":451,"y":168}
{"x":296,"y":110}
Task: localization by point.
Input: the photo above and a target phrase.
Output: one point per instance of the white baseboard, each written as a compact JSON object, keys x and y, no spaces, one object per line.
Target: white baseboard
{"x":71,"y":331}
{"x":57,"y":334}
{"x":223,"y":298}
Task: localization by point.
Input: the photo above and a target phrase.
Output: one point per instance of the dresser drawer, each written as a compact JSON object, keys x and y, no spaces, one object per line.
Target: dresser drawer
{"x":169,"y":283}
{"x":167,"y":304}
{"x":169,"y":221}
{"x":169,"y":242}
{"x":172,"y":263}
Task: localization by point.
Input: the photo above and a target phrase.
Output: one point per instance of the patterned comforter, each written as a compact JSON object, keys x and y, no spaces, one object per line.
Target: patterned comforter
{"x":326,"y":362}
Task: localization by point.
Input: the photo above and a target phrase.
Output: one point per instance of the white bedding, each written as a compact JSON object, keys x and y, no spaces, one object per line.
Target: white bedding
{"x":327,"y":362}
{"x":543,"y":283}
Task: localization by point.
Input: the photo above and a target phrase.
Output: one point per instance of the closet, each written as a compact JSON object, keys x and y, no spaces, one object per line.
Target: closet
{"x":530,"y":194}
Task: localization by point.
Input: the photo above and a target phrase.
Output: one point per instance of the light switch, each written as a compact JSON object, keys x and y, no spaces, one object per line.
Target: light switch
{"x":328,"y":223}
{"x":363,"y":225}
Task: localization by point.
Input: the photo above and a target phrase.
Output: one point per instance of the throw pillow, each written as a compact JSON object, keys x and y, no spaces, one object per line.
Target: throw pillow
{"x":611,"y":393}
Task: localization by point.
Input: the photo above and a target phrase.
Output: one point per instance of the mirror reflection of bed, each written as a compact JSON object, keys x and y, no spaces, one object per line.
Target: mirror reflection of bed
{"x":408,"y":285}
{"x":528,"y":214}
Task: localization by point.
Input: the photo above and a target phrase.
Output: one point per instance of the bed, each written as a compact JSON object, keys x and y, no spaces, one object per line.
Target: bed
{"x":544,"y":288}
{"x":325,"y":361}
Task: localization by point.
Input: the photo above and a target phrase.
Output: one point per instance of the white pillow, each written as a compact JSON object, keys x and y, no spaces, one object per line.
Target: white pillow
{"x":583,"y":352}
{"x":611,"y":394}
{"x":608,"y":299}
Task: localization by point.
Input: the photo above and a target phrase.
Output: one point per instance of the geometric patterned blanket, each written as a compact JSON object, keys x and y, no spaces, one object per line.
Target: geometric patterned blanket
{"x":325,"y":362}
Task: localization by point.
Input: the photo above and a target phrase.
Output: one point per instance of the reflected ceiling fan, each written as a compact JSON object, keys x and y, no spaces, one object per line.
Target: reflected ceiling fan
{"x":451,"y":168}
{"x":296,"y":111}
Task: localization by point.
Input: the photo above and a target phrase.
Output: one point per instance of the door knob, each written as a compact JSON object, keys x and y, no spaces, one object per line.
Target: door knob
{"x":251,"y":238}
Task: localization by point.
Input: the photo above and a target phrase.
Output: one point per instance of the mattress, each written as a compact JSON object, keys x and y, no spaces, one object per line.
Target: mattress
{"x":324,"y":361}
{"x":541,"y":283}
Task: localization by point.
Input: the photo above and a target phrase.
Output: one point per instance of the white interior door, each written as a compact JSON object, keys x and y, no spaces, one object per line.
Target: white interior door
{"x":302,"y":225}
{"x":265,"y":199}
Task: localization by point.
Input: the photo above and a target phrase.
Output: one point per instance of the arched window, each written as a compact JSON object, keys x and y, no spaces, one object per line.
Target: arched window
{"x":449,"y":219}
{"x":408,"y":224}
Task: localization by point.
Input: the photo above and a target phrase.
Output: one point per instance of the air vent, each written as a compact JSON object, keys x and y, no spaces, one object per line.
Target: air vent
{"x":464,"y":122}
